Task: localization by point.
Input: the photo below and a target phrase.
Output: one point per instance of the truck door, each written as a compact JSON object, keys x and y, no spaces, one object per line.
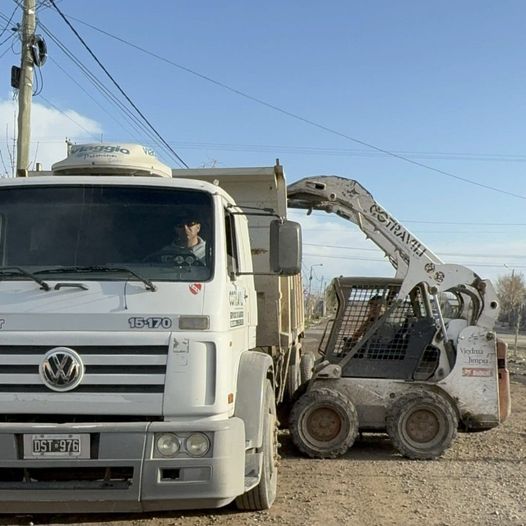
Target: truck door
{"x":242,"y":314}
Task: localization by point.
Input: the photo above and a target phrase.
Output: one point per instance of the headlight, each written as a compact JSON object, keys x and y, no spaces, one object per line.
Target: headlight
{"x":167,"y":444}
{"x":197,"y":444}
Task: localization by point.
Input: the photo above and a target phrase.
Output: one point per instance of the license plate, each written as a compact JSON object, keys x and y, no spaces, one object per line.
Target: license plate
{"x":57,"y":446}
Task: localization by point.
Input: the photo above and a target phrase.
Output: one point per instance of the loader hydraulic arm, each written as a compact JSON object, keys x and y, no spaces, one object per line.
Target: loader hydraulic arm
{"x":413,"y":261}
{"x":350,"y":200}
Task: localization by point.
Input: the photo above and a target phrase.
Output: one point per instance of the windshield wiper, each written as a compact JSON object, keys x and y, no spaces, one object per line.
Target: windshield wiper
{"x":18,"y":271}
{"x":99,"y":268}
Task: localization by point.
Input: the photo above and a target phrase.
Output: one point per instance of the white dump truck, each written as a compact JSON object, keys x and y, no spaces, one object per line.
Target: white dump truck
{"x":137,"y":372}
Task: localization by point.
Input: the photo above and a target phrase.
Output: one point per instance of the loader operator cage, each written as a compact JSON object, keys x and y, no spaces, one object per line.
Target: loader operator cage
{"x":374,"y":336}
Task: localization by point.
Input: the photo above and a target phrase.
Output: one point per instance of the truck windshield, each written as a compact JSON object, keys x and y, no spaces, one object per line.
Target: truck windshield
{"x":79,"y":232}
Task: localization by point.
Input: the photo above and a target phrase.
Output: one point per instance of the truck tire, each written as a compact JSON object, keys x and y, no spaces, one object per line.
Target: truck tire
{"x":306,"y":367}
{"x":323,"y":423}
{"x":262,"y":496}
{"x":422,"y":425}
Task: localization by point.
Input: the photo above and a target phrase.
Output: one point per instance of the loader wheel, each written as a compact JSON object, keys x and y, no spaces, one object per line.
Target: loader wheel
{"x":262,"y":496}
{"x":323,"y":423}
{"x":306,"y":366}
{"x":422,"y":425}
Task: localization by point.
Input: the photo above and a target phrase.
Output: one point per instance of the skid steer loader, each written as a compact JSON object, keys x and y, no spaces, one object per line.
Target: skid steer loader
{"x":415,"y":355}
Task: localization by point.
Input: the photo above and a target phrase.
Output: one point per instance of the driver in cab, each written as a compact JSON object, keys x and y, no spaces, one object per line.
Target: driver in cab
{"x":187,"y":238}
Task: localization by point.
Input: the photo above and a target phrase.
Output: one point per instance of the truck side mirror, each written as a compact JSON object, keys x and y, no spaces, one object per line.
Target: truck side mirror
{"x":285,"y":247}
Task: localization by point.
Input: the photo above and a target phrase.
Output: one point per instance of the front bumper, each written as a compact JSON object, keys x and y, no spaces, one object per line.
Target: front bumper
{"x":122,"y":473}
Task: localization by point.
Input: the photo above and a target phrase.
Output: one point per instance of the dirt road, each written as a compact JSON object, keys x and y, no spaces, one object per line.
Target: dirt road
{"x":480,"y":481}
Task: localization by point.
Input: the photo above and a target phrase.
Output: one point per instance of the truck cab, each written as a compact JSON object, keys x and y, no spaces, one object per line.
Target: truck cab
{"x":126,"y":379}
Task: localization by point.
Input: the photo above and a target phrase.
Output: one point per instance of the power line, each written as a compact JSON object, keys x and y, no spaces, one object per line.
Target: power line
{"x":295,"y":212}
{"x":10,"y":37}
{"x":68,"y":117}
{"x":124,"y":94}
{"x":8,"y":22}
{"x":303,"y":119}
{"x":334,"y":151}
{"x":353,"y":152}
{"x":437,"y":223}
{"x":320,"y":213}
{"x":450,"y":254}
{"x":87,"y":93}
{"x":462,"y":223}
{"x":105,"y":92}
{"x":351,"y":258}
{"x":135,"y":123}
{"x":419,"y":232}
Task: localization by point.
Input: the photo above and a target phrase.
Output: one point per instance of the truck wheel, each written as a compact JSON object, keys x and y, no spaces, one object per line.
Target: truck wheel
{"x":323,"y":423}
{"x":263,"y":495}
{"x":422,"y":425}
{"x":294,"y":373}
{"x":306,"y":367}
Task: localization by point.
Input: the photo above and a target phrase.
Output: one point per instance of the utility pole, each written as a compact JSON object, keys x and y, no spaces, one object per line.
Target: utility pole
{"x":25,"y":93}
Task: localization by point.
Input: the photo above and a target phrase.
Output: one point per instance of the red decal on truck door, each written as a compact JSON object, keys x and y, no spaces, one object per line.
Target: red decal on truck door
{"x":195,"y":288}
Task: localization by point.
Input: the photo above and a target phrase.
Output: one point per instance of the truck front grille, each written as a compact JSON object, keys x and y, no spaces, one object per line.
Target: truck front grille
{"x":108,"y":369}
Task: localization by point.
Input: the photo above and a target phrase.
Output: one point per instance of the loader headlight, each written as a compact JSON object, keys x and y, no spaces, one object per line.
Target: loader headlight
{"x":167,"y":444}
{"x":197,"y":444}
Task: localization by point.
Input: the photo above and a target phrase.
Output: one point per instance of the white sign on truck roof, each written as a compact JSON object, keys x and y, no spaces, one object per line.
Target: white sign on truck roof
{"x":111,"y":159}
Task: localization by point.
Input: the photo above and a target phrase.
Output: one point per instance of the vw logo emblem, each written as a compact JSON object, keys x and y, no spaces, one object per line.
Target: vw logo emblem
{"x":61,"y":369}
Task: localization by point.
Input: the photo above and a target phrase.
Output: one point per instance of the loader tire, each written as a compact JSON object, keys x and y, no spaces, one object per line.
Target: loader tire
{"x":422,"y":425}
{"x":306,"y":367}
{"x":262,"y":496}
{"x":323,"y":423}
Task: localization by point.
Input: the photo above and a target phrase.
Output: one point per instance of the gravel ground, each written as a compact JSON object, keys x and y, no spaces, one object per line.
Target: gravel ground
{"x":480,"y":481}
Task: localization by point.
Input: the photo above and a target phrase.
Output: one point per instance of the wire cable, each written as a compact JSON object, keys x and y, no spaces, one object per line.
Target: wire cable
{"x":449,"y":254}
{"x":7,"y":39}
{"x":9,"y":21}
{"x":460,"y":232}
{"x":68,"y":117}
{"x":8,"y":47}
{"x":40,"y":82}
{"x":124,"y":94}
{"x":298,"y":213}
{"x":127,"y":113}
{"x":351,"y":152}
{"x":81,"y":87}
{"x":350,"y":258}
{"x":303,"y":119}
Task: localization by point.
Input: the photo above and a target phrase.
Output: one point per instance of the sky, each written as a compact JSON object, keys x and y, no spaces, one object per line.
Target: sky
{"x":327,"y":87}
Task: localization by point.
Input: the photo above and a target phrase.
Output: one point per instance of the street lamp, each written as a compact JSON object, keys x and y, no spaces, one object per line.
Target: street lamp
{"x":310,"y":274}
{"x":309,"y":302}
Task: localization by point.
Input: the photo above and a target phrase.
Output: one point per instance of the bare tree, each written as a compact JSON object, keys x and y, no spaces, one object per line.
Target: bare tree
{"x":511,"y":290}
